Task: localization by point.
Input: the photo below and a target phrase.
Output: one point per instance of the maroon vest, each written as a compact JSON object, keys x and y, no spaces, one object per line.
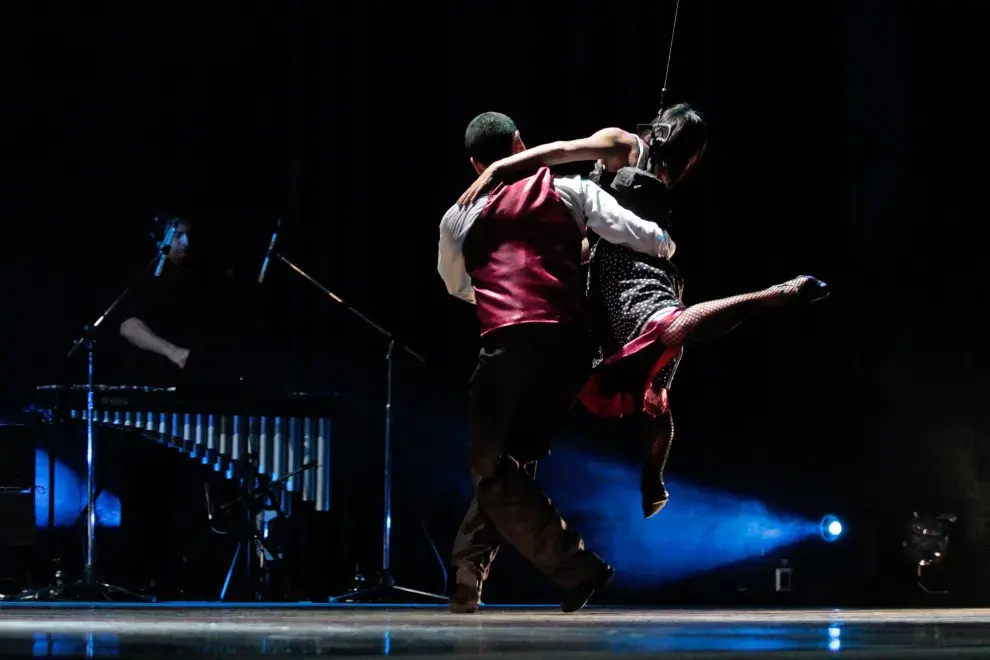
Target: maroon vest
{"x":523,"y":254}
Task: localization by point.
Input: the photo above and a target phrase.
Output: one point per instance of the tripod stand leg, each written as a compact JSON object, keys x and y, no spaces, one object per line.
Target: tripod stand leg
{"x":416,"y":592}
{"x":111,"y":590}
{"x":46,"y":593}
{"x":385,"y":587}
{"x":381,"y":591}
{"x":230,"y":572}
{"x":359,"y":594}
{"x":81,"y":590}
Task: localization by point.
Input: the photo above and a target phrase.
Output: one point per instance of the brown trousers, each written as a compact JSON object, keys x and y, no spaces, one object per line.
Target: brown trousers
{"x":526,"y":380}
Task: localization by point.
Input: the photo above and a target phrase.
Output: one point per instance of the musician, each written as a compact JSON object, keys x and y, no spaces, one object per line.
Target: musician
{"x":157,"y":318}
{"x":169,"y":325}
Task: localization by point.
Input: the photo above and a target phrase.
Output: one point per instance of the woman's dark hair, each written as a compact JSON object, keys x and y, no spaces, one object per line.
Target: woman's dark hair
{"x":687,"y":137}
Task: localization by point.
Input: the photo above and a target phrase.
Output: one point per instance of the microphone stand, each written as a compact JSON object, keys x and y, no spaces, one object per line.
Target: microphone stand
{"x":386,"y":583}
{"x":88,"y":587}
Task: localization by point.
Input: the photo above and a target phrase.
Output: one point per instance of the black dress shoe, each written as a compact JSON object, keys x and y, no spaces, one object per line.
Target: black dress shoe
{"x":579,"y":596}
{"x":465,"y":600}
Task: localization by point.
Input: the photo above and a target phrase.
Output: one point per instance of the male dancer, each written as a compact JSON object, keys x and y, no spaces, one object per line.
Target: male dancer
{"x":639,"y":297}
{"x":515,"y":253}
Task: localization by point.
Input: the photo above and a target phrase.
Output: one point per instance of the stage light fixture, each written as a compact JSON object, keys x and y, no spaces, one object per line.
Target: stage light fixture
{"x":927,"y":538}
{"x":830,"y":528}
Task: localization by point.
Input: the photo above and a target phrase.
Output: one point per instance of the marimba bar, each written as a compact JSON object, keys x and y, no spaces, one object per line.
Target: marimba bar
{"x":234,"y":444}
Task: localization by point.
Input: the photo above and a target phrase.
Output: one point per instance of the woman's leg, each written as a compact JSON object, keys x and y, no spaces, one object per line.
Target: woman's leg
{"x":658,"y":435}
{"x":700,"y":322}
{"x":711,"y":319}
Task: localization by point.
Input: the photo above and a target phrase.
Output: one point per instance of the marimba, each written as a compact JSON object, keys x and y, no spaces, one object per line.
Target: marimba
{"x":234,"y":435}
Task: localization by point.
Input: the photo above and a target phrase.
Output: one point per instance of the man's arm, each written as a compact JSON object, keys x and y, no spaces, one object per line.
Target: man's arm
{"x":138,"y":333}
{"x":595,"y":209}
{"x":450,"y":258}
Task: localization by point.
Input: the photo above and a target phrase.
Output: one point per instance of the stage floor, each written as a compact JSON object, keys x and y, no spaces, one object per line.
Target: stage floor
{"x":198,"y":631}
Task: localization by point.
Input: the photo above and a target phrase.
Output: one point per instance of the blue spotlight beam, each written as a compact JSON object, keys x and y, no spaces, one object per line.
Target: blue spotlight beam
{"x":700,"y":529}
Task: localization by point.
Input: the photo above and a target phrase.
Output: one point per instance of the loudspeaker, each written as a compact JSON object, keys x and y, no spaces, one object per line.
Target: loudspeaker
{"x":17,"y":484}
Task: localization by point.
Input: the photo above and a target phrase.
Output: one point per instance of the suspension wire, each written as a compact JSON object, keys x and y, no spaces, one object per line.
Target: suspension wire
{"x":670,"y":56}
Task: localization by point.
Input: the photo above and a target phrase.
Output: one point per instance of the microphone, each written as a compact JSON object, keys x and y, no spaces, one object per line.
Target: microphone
{"x":268,"y":254}
{"x":164,"y":247}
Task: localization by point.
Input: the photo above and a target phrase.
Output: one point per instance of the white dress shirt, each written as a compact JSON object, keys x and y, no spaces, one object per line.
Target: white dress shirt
{"x":592,"y":208}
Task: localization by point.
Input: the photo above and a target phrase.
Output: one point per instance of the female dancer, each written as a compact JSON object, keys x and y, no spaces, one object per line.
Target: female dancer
{"x":638,"y":298}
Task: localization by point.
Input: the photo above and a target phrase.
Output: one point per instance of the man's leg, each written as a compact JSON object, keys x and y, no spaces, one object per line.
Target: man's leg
{"x":549,"y":365}
{"x":475,"y":546}
{"x":494,"y":393}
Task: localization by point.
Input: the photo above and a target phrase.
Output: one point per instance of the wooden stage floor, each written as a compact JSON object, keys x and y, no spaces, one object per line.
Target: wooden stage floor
{"x":187,"y":630}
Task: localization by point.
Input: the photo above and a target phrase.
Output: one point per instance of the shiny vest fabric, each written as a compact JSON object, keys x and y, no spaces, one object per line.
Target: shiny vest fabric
{"x":523,"y":254}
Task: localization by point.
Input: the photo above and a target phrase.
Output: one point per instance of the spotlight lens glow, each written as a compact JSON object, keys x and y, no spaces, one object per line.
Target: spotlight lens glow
{"x":830,"y":528}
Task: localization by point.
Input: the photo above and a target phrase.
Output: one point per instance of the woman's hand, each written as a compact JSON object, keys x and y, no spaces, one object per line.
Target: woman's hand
{"x":483,"y":183}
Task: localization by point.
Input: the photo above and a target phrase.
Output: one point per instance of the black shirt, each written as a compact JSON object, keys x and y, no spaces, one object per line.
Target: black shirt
{"x":184,"y":306}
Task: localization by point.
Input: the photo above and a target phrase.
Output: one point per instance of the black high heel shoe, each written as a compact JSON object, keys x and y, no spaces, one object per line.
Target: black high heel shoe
{"x":654,"y":493}
{"x":812,"y":290}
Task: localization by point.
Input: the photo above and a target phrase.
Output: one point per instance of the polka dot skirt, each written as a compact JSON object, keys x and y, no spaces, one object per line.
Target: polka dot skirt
{"x":627,"y":290}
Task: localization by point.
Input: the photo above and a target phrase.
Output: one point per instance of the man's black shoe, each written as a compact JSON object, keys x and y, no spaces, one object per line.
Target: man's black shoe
{"x":579,"y":596}
{"x":465,"y":600}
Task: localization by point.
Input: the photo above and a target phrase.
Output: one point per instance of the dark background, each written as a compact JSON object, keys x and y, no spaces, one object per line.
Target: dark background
{"x":843,"y":144}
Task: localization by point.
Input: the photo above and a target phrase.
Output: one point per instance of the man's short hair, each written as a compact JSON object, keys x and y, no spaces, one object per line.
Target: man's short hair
{"x":489,"y":137}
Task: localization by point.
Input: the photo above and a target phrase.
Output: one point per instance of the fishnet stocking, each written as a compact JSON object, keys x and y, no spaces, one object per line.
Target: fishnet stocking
{"x":658,"y":438}
{"x":713,"y":318}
